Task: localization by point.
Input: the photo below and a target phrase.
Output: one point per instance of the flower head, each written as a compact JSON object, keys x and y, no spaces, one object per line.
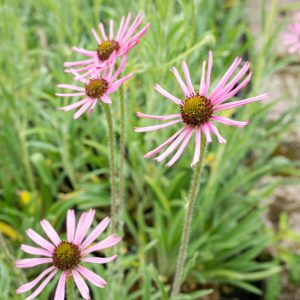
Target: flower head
{"x":97,"y":88}
{"x":197,"y":111}
{"x":291,"y":37}
{"x":119,"y":44}
{"x":65,"y":257}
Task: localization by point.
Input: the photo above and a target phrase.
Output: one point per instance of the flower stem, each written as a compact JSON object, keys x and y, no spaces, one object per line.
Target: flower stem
{"x":70,"y":289}
{"x":111,"y":144}
{"x":122,"y":155}
{"x":187,"y":222}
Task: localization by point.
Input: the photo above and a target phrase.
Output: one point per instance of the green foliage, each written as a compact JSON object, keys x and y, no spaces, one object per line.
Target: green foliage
{"x":50,"y":162}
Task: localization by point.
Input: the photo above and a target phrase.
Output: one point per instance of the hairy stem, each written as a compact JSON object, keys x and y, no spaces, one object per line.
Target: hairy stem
{"x":187,"y":222}
{"x":111,"y":144}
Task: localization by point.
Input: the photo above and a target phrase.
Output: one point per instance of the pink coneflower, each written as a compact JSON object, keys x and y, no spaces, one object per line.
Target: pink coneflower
{"x":66,"y":256}
{"x":98,"y":88}
{"x":197,"y":112}
{"x":120,"y":44}
{"x":291,"y":37}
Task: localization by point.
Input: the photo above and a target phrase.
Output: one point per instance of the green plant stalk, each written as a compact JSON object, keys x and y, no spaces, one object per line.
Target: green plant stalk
{"x":122,"y":157}
{"x":70,"y":289}
{"x":111,"y":145}
{"x":187,"y":221}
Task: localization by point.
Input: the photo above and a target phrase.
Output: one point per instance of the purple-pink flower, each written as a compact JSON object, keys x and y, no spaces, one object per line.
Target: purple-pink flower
{"x":198,"y":110}
{"x":291,"y":37}
{"x":65,"y":257}
{"x":125,"y":39}
{"x":97,"y":88}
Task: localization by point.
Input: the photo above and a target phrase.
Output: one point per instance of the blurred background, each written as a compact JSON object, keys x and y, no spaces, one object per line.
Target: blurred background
{"x":245,"y":239}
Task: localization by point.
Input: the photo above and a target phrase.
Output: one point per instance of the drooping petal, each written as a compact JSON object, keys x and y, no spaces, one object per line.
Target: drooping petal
{"x":229,"y":122}
{"x":75,"y":105}
{"x":82,"y":110}
{"x":156,"y":127}
{"x":206,"y":131}
{"x":110,"y":241}
{"x":81,"y":285}
{"x":50,"y":232}
{"x":35,"y":250}
{"x":42,"y":286}
{"x":197,"y":146}
{"x":99,"y":260}
{"x":92,"y":277}
{"x":32,"y":262}
{"x":240,"y":102}
{"x":61,"y":286}
{"x":28,"y":286}
{"x":39,"y":240}
{"x":215,"y":131}
{"x":95,"y":233}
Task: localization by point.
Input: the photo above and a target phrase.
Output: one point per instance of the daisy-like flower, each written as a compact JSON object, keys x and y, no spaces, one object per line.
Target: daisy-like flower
{"x":197,"y":111}
{"x":291,"y":38}
{"x":65,"y":257}
{"x":125,"y":39}
{"x":98,"y":88}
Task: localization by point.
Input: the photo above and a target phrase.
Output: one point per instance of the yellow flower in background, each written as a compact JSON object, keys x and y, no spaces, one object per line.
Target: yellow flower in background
{"x":25,"y":197}
{"x":210,"y":159}
{"x":9,"y":231}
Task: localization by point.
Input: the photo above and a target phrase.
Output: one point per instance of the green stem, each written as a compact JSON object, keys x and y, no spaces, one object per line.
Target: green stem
{"x":187,"y":222}
{"x":70,"y":289}
{"x":122,"y":156}
{"x":111,"y":144}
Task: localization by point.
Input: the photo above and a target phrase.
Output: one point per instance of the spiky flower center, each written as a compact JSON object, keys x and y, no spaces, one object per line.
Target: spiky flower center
{"x":106,"y":48}
{"x":96,"y":88}
{"x":66,"y":256}
{"x":196,"y":110}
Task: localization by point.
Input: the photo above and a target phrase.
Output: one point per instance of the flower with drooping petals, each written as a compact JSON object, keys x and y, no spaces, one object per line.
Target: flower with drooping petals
{"x":291,"y":37}
{"x":197,"y":111}
{"x":65,"y":257}
{"x":120,"y":44}
{"x":97,"y":88}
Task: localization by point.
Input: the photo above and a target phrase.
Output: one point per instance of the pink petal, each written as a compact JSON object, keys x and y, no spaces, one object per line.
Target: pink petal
{"x":120,"y":28}
{"x":209,"y":68}
{"x":42,"y":286}
{"x":70,"y":94}
{"x":135,"y":39}
{"x":84,"y":52}
{"x":229,"y":121}
{"x":202,"y":81}
{"x":174,"y":145}
{"x":197,"y":146}
{"x":180,"y":81}
{"x":240,"y":102}
{"x":79,"y":63}
{"x":39,"y":240}
{"x":110,"y":241}
{"x":188,"y":78}
{"x":70,"y":225}
{"x":82,"y":110}
{"x":50,"y":232}
{"x":117,"y":83}
{"x":95,"y":233}
{"x":93,"y":106}
{"x":85,"y":227}
{"x":82,"y":286}
{"x":35,"y":251}
{"x":166,"y":143}
{"x":167,"y":95}
{"x":32,"y":262}
{"x":106,"y":99}
{"x":120,"y":69}
{"x":111,"y":29}
{"x":206,"y":132}
{"x":75,"y":105}
{"x":28,"y":286}
{"x":214,"y":130}
{"x":99,"y":260}
{"x":167,"y":117}
{"x":136,"y":23}
{"x":124,"y":27}
{"x":71,"y":87}
{"x":102,"y":30}
{"x":156,"y":127}
{"x":61,"y":286}
{"x":92,"y":277}
{"x":98,"y":40}
{"x":180,"y":150}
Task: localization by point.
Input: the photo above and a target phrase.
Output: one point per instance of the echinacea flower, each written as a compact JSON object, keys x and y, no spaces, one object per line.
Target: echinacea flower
{"x":97,"y":88}
{"x":125,"y":39}
{"x":197,"y":111}
{"x":291,"y":37}
{"x":65,"y":257}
